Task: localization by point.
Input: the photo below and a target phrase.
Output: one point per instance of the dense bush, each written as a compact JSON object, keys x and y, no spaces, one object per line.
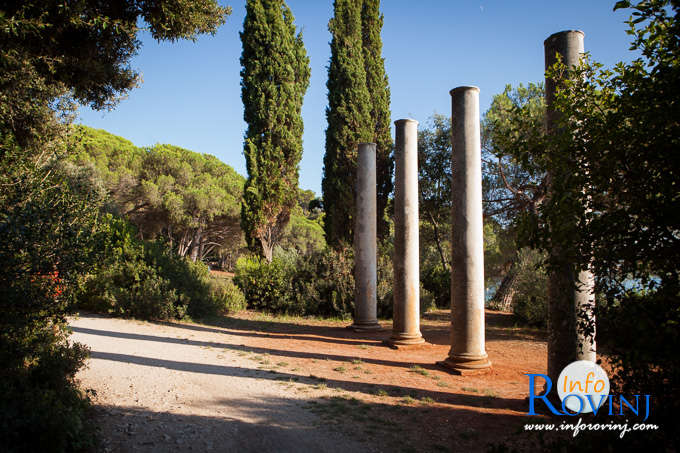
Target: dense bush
{"x":43,"y":232}
{"x":321,"y":284}
{"x":226,"y":295}
{"x":436,"y":280}
{"x":41,"y":407}
{"x":148,"y":280}
{"x":325,"y":283}
{"x":530,"y":302}
{"x":266,"y":286}
{"x":640,"y":335}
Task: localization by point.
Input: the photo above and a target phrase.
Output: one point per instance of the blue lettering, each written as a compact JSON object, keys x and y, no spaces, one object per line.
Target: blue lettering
{"x":648,"y":403}
{"x":564,"y":404}
{"x":624,"y":401}
{"x":533,"y":396}
{"x":593,"y":406}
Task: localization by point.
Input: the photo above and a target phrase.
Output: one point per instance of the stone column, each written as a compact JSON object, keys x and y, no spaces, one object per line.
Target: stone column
{"x":568,"y":294}
{"x":406,"y":319}
{"x":365,"y":245}
{"x":468,"y":352}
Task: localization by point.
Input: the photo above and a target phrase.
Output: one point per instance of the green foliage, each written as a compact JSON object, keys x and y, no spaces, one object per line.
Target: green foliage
{"x":267,"y":285}
{"x":349,"y":120}
{"x":190,"y":199}
{"x":512,"y":136}
{"x":53,"y":53}
{"x":320,"y":284}
{"x":325,"y":283}
{"x":147,"y":280}
{"x":385,"y":280}
{"x":530,"y":303}
{"x":641,"y":334}
{"x":86,"y":47}
{"x":226,"y":295}
{"x":623,"y":129}
{"x":437,"y":281}
{"x":303,"y":235}
{"x":434,"y":185}
{"x":275,"y":77}
{"x":45,"y":221}
{"x":41,"y":407}
{"x":380,"y":114}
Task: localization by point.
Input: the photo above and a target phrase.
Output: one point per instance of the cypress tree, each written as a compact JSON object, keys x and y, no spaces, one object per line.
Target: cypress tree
{"x":378,"y":87}
{"x":348,"y":116}
{"x":274,"y":78}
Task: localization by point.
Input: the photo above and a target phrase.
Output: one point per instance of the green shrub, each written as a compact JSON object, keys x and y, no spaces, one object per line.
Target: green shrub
{"x":324,"y":283}
{"x":227,"y":297}
{"x":530,"y":303}
{"x":147,"y":280}
{"x":385,"y":284}
{"x":427,"y":300}
{"x":267,"y":286}
{"x":437,"y":281}
{"x":321,"y":284}
{"x":41,"y":407}
{"x":44,"y":238}
{"x":639,"y":332}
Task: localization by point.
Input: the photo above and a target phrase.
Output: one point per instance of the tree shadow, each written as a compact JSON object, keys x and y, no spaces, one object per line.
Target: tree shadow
{"x":458,"y":399}
{"x":283,"y":353}
{"x":323,"y":424}
{"x":252,"y":426}
{"x":283,"y":330}
{"x":499,"y":326}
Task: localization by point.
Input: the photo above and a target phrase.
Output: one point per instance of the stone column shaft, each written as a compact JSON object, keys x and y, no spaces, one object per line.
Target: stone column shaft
{"x":365,"y":245}
{"x":468,"y":352}
{"x":569,"y":293}
{"x":406,"y":319}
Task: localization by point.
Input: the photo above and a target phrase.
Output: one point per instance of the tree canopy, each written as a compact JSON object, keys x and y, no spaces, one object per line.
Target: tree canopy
{"x":193,"y":200}
{"x":275,"y":77}
{"x":380,"y":114}
{"x":349,"y":120}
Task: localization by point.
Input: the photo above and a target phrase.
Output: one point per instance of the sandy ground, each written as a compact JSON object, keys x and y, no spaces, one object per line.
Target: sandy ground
{"x":252,"y":383}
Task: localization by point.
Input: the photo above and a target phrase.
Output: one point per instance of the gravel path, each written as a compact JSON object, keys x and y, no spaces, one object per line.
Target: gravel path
{"x":162,"y":388}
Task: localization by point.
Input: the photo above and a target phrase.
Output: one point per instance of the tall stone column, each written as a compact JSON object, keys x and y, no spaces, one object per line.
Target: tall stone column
{"x":365,"y":245}
{"x":468,"y":352}
{"x":406,"y":319}
{"x":569,"y":295}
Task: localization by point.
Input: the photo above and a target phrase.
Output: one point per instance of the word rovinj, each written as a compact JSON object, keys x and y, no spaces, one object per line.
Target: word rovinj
{"x":583,"y":387}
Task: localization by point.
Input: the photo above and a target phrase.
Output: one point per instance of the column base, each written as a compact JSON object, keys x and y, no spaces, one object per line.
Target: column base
{"x":467,"y":365}
{"x":405,"y":339}
{"x":365,"y":327}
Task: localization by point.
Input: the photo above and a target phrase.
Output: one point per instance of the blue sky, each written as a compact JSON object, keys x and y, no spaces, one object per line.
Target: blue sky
{"x":191,"y":95}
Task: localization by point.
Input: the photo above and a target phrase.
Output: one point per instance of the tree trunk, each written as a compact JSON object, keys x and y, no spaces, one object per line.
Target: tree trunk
{"x":267,"y":249}
{"x":502,"y":299}
{"x":437,"y":241}
{"x":196,"y":244}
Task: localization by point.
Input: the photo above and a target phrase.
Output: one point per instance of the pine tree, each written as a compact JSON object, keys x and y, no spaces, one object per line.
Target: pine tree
{"x":274,"y":78}
{"x":349,"y":120}
{"x":378,"y":87}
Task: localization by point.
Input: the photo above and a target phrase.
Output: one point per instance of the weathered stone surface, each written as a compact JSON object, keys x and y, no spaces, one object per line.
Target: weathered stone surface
{"x":467,"y":242}
{"x":406,"y":319}
{"x":365,"y":245}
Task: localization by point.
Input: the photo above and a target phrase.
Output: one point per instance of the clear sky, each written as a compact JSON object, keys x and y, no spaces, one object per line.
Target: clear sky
{"x":191,"y":95}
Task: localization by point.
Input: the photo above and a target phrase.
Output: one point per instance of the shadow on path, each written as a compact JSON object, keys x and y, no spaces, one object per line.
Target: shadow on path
{"x":458,"y":399}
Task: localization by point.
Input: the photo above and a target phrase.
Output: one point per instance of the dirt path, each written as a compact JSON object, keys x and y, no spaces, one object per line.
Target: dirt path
{"x":253,"y":383}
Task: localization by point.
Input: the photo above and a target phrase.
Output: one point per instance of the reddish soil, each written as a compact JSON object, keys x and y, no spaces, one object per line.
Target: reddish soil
{"x":401,"y":396}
